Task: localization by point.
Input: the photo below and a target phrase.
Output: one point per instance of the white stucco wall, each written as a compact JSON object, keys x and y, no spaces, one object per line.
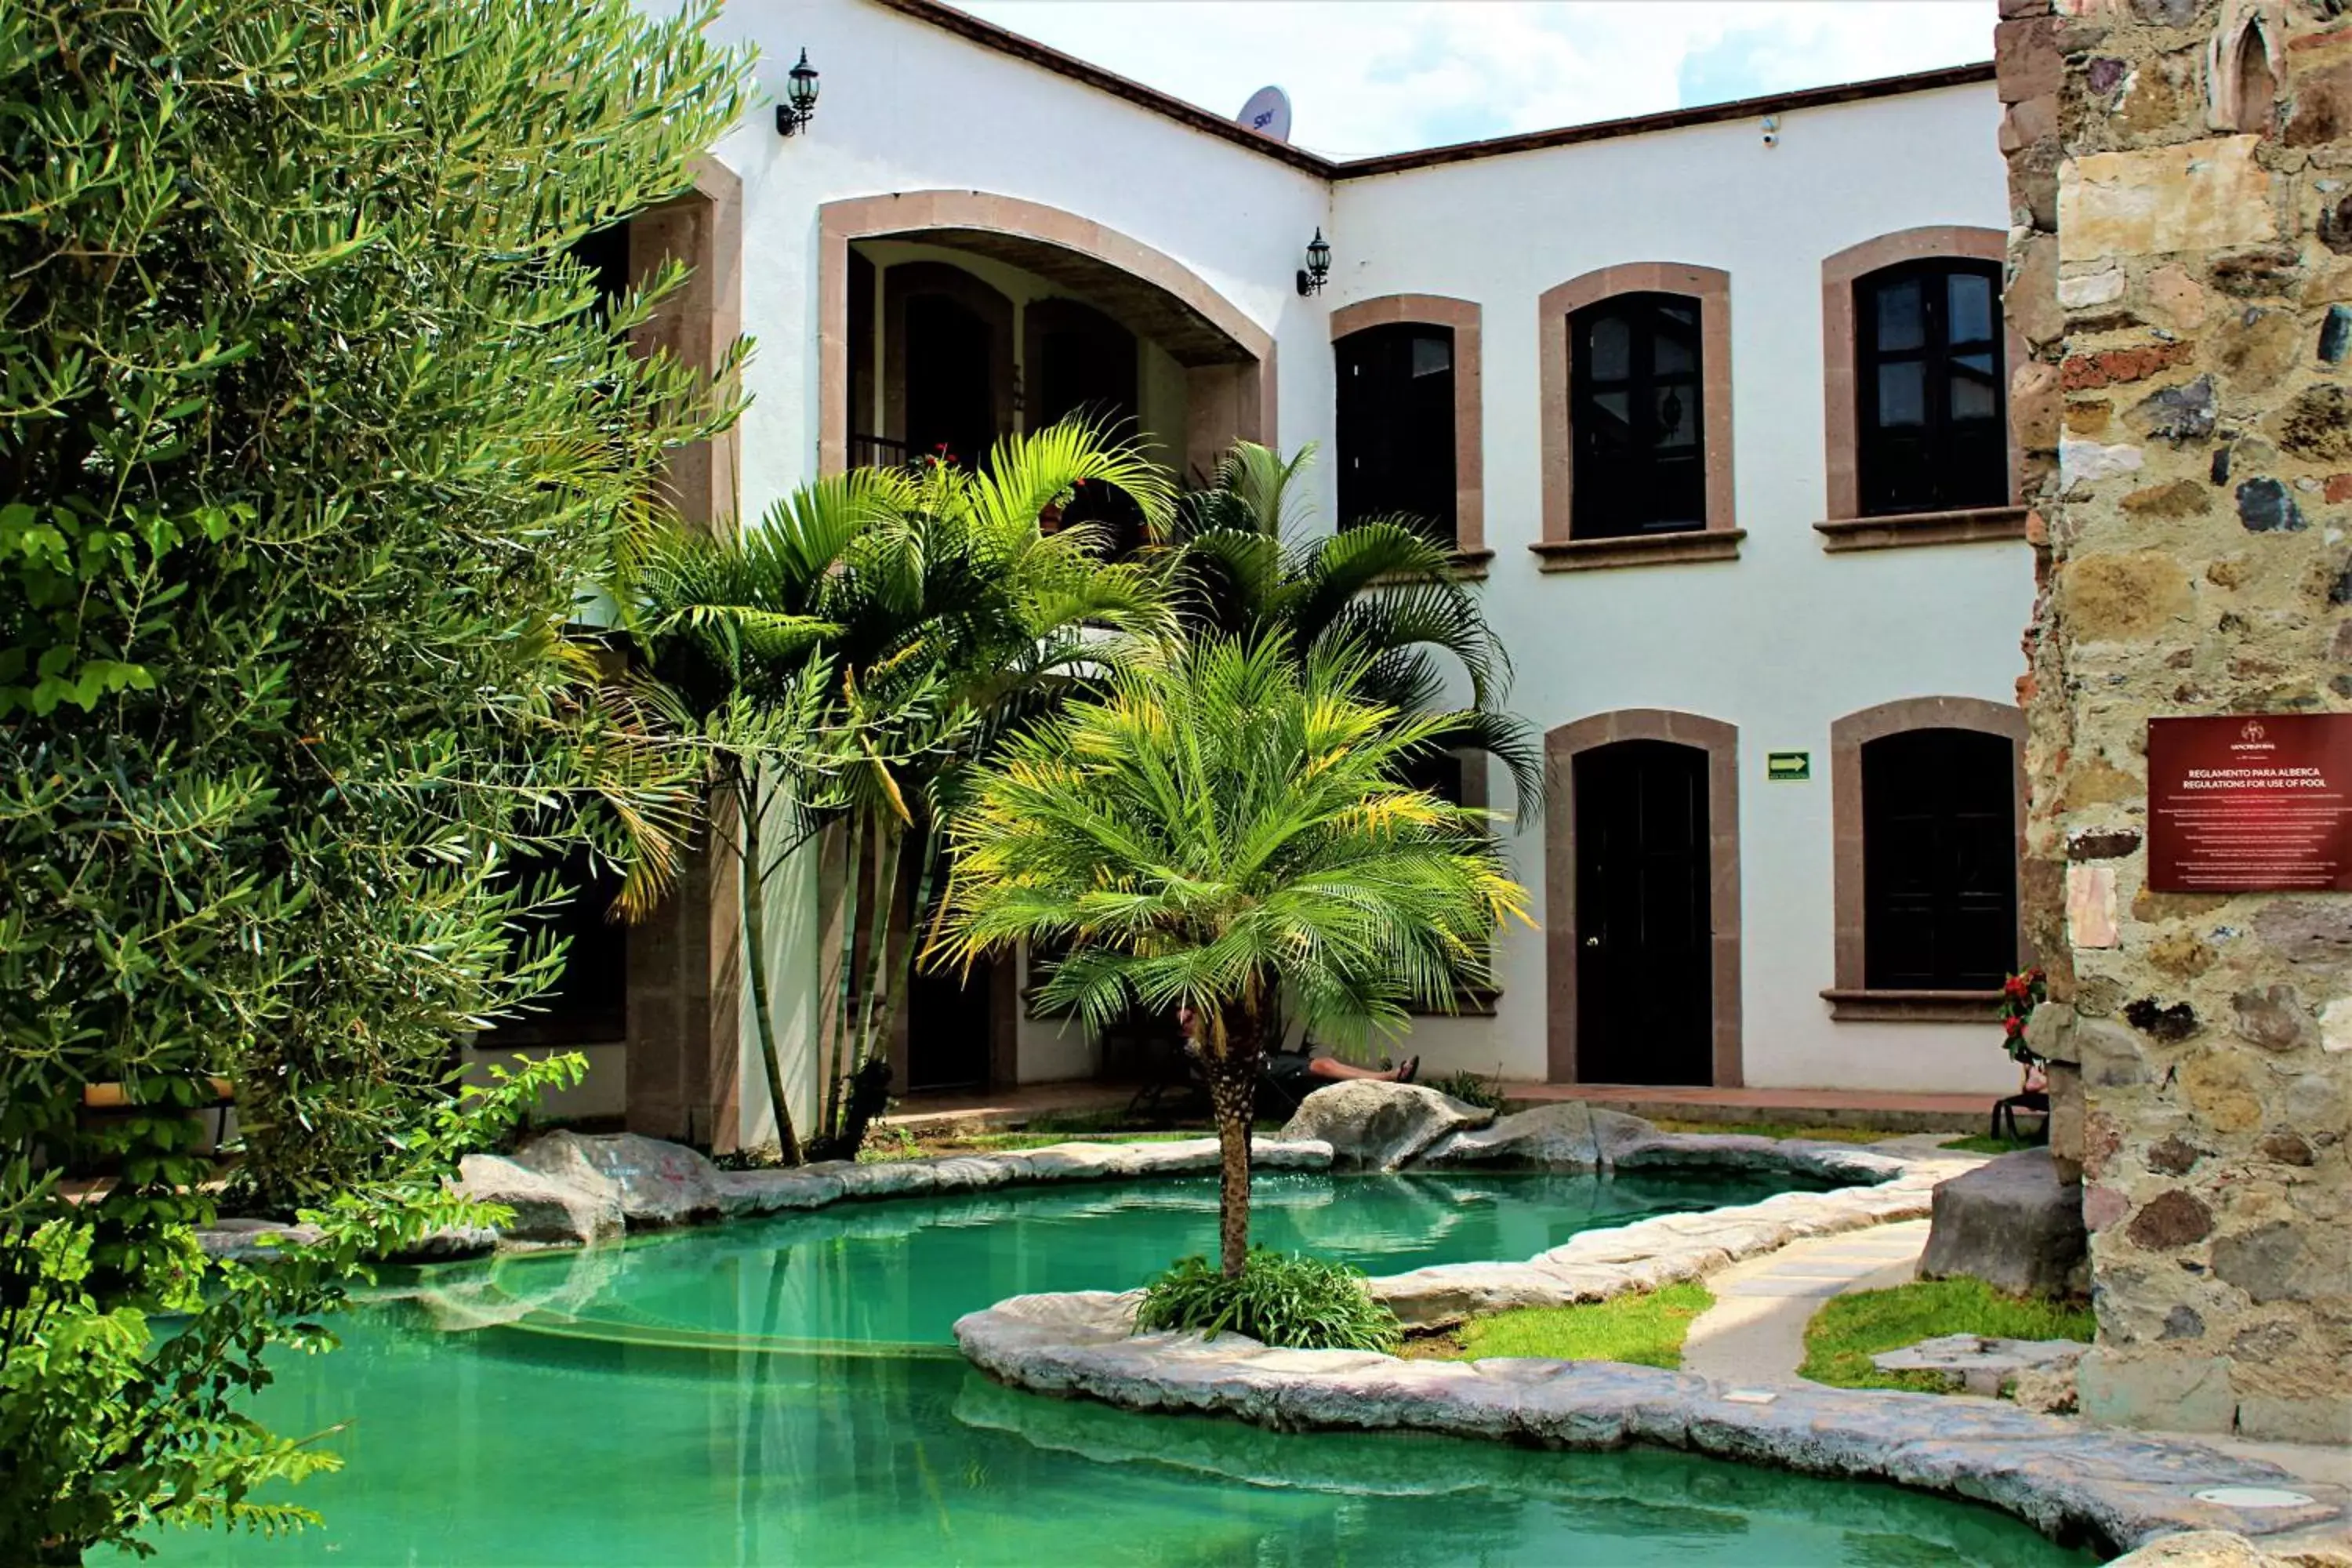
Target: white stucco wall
{"x":1778,"y":643}
{"x":1786,"y":638}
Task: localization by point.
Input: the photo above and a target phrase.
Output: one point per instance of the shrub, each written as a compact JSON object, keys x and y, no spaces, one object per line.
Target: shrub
{"x":316,"y":443}
{"x":1485,"y":1094}
{"x":1285,"y":1298}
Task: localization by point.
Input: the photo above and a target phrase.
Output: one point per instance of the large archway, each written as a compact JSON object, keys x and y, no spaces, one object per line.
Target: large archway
{"x":1226,"y":359}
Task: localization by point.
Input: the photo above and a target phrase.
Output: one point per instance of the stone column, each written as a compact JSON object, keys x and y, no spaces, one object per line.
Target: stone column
{"x":2180,"y":268}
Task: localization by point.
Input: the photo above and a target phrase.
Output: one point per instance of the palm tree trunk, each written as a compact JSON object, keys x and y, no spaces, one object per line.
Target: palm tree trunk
{"x":1231,"y":1064}
{"x":755,"y":934}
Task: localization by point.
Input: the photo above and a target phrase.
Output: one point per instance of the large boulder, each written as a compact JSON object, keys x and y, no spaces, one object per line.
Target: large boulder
{"x":1373,"y":1125}
{"x":2012,"y":1222}
{"x":1571,"y":1136}
{"x":574,"y":1208}
{"x":659,"y":1184}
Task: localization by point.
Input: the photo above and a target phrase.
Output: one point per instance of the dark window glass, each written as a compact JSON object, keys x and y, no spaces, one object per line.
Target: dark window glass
{"x":1928,"y":365}
{"x":588,"y":1004}
{"x":1396,"y":427}
{"x":1634,"y":415}
{"x":1939,"y":861}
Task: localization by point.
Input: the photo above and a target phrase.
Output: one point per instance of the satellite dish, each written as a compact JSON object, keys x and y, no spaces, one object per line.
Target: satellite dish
{"x":1267,"y":113}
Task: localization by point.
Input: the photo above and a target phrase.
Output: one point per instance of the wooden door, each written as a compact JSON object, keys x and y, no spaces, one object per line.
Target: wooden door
{"x":1645,"y":972}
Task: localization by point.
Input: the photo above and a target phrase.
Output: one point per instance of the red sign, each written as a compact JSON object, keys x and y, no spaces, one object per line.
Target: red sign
{"x":2249,"y":804}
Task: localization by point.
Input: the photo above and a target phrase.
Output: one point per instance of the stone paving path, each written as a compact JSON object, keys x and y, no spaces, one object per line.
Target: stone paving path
{"x":1755,"y":1332}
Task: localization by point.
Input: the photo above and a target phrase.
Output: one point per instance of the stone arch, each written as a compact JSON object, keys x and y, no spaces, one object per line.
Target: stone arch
{"x":1720,"y":742}
{"x":1229,"y":360}
{"x":1840,"y":427}
{"x":1849,"y":996}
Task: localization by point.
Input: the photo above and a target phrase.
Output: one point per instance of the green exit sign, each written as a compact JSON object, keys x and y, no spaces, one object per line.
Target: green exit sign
{"x":1789,"y":767}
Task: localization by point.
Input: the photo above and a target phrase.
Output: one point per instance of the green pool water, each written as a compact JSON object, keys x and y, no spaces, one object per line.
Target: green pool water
{"x":788,"y":1393}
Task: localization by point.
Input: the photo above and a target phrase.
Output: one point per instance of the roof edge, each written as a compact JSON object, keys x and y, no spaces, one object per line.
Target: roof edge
{"x":1005,"y":41}
{"x":1668,"y":119}
{"x":989,"y":36}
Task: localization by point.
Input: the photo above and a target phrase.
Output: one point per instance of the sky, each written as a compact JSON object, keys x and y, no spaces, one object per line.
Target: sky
{"x":1381,"y":76}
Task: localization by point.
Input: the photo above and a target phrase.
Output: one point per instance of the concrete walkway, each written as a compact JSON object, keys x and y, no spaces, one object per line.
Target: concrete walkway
{"x":1755,"y":1332}
{"x":1891,"y":1110}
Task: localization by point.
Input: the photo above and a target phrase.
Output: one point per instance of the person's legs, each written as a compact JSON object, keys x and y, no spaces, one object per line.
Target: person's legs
{"x":1334,"y":1071}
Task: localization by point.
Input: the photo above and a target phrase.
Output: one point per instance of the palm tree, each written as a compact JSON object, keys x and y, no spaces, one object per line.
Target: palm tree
{"x":939,"y":612}
{"x":1223,"y":830}
{"x":1254,"y":563}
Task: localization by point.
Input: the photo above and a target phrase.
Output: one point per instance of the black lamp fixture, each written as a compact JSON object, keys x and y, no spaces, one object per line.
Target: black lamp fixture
{"x":1318,"y":264}
{"x":800,"y":97}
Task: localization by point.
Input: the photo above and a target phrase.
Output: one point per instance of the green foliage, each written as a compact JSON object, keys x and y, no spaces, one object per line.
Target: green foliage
{"x":314,"y":448}
{"x":1979,"y":1144}
{"x":1220,"y":821}
{"x":1255,"y":566}
{"x":1486,"y":1093}
{"x":1849,"y":1329}
{"x":1223,"y":830}
{"x":108,"y":1426}
{"x":926,"y":613}
{"x":1284,"y":1299}
{"x":1644,"y":1327}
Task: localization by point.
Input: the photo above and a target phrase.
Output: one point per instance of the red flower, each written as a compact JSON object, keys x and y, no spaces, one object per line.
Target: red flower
{"x":2013,"y":1026}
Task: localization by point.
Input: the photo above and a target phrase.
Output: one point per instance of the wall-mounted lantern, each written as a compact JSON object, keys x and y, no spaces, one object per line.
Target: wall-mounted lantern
{"x":800,"y":97}
{"x":1318,"y":264}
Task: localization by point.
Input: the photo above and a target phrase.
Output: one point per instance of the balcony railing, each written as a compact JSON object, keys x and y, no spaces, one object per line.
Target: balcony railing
{"x":877,"y":452}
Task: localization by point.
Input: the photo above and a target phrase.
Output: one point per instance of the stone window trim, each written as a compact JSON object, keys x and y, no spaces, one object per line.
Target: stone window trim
{"x":1461,"y":316}
{"x":1850,"y":999}
{"x":1846,"y":528}
{"x":1720,"y":742}
{"x":1229,"y":399}
{"x":1559,"y":549}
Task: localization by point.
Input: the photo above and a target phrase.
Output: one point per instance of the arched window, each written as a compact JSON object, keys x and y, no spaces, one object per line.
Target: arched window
{"x":1395,"y":426}
{"x":1931,"y":425}
{"x":1939,"y":861}
{"x":1635,"y":374}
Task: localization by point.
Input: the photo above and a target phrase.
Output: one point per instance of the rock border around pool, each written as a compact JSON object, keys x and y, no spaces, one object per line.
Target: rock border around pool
{"x":2112,"y":1490}
{"x":569,"y":1189}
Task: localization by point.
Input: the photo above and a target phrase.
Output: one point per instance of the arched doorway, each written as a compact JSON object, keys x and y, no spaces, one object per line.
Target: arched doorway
{"x":1642,"y":900}
{"x":1087,"y":278}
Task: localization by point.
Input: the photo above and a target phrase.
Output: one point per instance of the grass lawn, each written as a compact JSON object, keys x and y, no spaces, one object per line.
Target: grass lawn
{"x":1778,"y":1129}
{"x":1977,"y":1143}
{"x":1849,"y":1329}
{"x":1645,"y":1328}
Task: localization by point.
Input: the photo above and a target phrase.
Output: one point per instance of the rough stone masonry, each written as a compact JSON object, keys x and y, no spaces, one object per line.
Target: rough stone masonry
{"x":2181,"y":264}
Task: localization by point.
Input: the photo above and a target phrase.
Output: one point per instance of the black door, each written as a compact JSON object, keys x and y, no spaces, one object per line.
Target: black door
{"x":1644,"y":976}
{"x":1083,"y":363}
{"x":950,"y":1018}
{"x":949,"y":1021}
{"x":951,"y":381}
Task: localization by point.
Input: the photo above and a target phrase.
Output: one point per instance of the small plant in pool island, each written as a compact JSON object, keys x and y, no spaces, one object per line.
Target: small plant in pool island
{"x":1278,"y":1299}
{"x":1224,"y":830}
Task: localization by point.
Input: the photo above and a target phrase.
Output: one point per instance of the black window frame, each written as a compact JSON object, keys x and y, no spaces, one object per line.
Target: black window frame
{"x":1939,"y":813}
{"x":1944,"y":468}
{"x":1386,"y":421}
{"x":1634,"y":499}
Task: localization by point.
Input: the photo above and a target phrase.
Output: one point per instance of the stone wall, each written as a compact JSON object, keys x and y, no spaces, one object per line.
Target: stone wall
{"x":2182,"y":176}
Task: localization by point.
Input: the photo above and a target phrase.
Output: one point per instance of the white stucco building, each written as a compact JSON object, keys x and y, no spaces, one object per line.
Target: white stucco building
{"x":1714,"y":399}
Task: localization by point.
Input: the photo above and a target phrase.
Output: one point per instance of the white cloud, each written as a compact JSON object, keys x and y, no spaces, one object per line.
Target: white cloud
{"x":1369,"y":77}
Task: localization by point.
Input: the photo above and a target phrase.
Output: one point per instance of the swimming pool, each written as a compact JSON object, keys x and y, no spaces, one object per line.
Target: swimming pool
{"x":785,"y":1392}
